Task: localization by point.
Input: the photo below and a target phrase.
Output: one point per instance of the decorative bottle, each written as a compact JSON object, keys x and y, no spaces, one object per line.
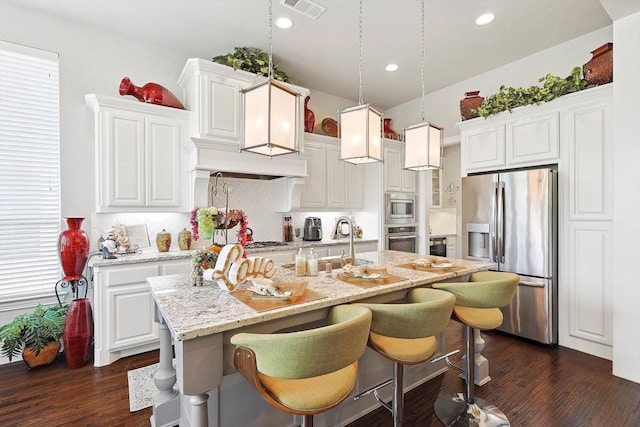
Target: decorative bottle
{"x":73,"y":249}
{"x":163,"y":241}
{"x":301,"y":263}
{"x":471,"y":101}
{"x":312,"y":263}
{"x":184,"y":240}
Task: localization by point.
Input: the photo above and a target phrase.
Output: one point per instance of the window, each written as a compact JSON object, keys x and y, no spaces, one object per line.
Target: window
{"x":29,"y":172}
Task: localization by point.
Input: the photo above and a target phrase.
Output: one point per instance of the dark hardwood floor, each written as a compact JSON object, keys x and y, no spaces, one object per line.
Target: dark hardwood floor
{"x":534,"y":385}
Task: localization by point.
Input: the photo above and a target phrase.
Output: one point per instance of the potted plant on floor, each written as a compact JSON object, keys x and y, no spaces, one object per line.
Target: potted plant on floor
{"x":37,"y":335}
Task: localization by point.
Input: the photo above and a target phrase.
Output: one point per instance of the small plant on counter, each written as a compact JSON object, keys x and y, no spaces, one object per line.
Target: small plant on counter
{"x":253,"y":60}
{"x":33,"y":331}
{"x":553,"y":87}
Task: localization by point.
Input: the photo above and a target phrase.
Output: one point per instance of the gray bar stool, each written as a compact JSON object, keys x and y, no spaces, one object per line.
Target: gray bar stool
{"x":477,"y":306}
{"x":306,"y":372}
{"x":406,"y":335}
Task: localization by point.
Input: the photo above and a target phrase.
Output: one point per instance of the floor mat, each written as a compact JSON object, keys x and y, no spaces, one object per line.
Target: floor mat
{"x":141,"y":387}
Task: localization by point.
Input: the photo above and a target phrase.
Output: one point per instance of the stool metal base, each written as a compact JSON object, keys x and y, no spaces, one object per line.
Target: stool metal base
{"x":453,"y":411}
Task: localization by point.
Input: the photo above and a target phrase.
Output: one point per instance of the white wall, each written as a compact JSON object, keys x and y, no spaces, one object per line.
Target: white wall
{"x":626,"y":197}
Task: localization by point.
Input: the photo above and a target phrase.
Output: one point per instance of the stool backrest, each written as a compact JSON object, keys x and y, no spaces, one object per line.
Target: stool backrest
{"x":426,"y":313}
{"x":312,"y":352}
{"x":485,"y":289}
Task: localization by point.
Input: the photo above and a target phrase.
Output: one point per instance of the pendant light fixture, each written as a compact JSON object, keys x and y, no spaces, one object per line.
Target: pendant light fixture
{"x":270,"y":114}
{"x":423,"y":142}
{"x":360,"y":126}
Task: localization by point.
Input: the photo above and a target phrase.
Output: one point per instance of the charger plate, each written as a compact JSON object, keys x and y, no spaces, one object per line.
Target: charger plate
{"x":430,"y":268}
{"x":264,"y":304}
{"x":384,"y":279}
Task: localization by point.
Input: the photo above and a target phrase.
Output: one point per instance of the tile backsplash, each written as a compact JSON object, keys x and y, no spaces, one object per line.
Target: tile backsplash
{"x":255,"y":197}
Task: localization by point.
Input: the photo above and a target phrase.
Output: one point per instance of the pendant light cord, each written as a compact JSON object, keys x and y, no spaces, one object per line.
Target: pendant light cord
{"x":360,"y":99}
{"x":422,"y":45}
{"x":270,"y":40}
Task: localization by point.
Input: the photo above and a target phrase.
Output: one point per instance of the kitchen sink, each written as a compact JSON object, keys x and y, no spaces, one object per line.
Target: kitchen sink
{"x":334,"y":261}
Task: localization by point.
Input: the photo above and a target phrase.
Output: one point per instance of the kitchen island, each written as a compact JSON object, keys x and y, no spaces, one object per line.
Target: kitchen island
{"x":200,"y":320}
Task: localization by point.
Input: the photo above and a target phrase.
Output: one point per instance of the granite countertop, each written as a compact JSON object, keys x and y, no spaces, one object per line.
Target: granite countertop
{"x":192,"y":311}
{"x":150,"y":255}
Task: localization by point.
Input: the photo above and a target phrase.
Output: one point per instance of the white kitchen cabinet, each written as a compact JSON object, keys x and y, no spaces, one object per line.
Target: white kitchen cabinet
{"x":527,"y":137}
{"x":436,"y":188}
{"x":451,"y":247}
{"x":123,"y":308}
{"x":331,"y":183}
{"x":140,"y":157}
{"x":212,"y":92}
{"x":396,"y":178}
{"x":586,"y":223}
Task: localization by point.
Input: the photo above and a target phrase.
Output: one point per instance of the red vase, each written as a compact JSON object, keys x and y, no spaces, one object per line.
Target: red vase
{"x":152,"y":93}
{"x":309,"y":117}
{"x":77,"y":336}
{"x":599,"y":70}
{"x":471,"y":101}
{"x":388,"y":132}
{"x":73,"y":250}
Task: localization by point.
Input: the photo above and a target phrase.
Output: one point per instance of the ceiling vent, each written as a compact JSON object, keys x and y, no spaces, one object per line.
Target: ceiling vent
{"x":305,"y":7}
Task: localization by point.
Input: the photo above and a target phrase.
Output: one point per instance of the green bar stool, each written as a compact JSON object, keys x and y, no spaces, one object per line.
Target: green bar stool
{"x":406,"y":335}
{"x":477,"y":306}
{"x":306,"y":372}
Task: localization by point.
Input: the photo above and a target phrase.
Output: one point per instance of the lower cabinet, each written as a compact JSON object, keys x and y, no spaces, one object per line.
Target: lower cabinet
{"x":123,"y":308}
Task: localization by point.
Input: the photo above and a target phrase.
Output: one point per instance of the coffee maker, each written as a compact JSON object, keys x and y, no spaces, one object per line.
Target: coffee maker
{"x":312,"y":229}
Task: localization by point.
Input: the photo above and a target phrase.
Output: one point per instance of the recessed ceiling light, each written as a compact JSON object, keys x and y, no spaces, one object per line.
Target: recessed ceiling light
{"x":391,"y":67}
{"x":485,"y":19}
{"x":284,"y":23}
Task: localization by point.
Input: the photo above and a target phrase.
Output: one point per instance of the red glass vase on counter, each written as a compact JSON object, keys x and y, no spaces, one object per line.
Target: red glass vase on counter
{"x":77,"y":336}
{"x":73,"y":250}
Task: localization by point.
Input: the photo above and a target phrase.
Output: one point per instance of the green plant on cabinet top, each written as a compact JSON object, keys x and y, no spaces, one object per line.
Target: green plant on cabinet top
{"x":253,"y":60}
{"x":553,"y":87}
{"x":33,"y":330}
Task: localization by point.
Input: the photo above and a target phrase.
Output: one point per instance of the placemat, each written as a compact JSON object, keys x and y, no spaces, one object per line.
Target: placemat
{"x":430,"y":269}
{"x":263,"y":304}
{"x":368,"y":283}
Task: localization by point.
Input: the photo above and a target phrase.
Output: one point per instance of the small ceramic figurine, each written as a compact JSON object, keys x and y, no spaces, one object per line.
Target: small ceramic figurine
{"x":110,"y":245}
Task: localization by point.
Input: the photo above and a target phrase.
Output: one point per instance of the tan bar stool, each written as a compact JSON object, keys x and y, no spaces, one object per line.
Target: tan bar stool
{"x":406,"y":335}
{"x":477,"y":306}
{"x":306,"y":372}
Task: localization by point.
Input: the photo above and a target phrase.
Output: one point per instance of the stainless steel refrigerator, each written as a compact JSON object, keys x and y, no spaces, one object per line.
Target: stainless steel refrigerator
{"x":510,"y":219}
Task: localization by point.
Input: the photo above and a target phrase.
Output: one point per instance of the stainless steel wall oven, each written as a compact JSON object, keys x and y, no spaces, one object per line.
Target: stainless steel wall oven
{"x":401,"y":239}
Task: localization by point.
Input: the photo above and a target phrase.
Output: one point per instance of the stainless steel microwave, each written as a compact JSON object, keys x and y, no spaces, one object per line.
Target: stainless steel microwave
{"x":400,"y":208}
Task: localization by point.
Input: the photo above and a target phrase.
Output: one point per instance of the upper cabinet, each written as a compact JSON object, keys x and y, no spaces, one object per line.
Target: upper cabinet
{"x":436,"y":188}
{"x":510,"y":140}
{"x":331,"y":183}
{"x":140,"y":156}
{"x":396,"y":178}
{"x":212,"y":92}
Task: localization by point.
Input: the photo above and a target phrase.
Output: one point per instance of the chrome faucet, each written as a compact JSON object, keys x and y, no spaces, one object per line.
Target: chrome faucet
{"x":336,"y":232}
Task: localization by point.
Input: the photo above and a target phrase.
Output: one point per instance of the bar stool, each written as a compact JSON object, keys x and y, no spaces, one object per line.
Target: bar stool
{"x":406,"y":335}
{"x":306,"y":372}
{"x":477,"y":306}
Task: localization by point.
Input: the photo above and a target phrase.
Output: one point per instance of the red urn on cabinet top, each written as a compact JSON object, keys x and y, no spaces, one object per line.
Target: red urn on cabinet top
{"x":152,"y":93}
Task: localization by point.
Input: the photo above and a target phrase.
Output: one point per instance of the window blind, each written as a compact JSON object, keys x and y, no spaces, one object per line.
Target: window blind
{"x":29,"y":172}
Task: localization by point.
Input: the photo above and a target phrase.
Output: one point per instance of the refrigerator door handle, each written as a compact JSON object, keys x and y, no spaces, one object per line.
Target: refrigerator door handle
{"x":500,"y":223}
{"x":532,"y":284}
{"x":493,"y":229}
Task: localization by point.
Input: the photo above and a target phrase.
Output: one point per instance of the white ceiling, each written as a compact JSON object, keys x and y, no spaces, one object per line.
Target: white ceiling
{"x":323,"y":54}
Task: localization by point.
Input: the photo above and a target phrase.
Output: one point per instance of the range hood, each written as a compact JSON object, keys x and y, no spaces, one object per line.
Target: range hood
{"x":207,"y":158}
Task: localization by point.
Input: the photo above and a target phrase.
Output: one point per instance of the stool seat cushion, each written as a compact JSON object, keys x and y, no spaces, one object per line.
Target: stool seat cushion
{"x":315,"y":394}
{"x":479,"y":318}
{"x":404,"y":350}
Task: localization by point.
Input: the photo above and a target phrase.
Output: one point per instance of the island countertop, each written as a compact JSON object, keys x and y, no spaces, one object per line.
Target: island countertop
{"x":194,"y":311}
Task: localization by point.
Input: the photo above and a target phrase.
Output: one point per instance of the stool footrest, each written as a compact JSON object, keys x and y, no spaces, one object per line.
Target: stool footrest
{"x":446,"y":359}
{"x":373,"y":389}
{"x":453,"y":411}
